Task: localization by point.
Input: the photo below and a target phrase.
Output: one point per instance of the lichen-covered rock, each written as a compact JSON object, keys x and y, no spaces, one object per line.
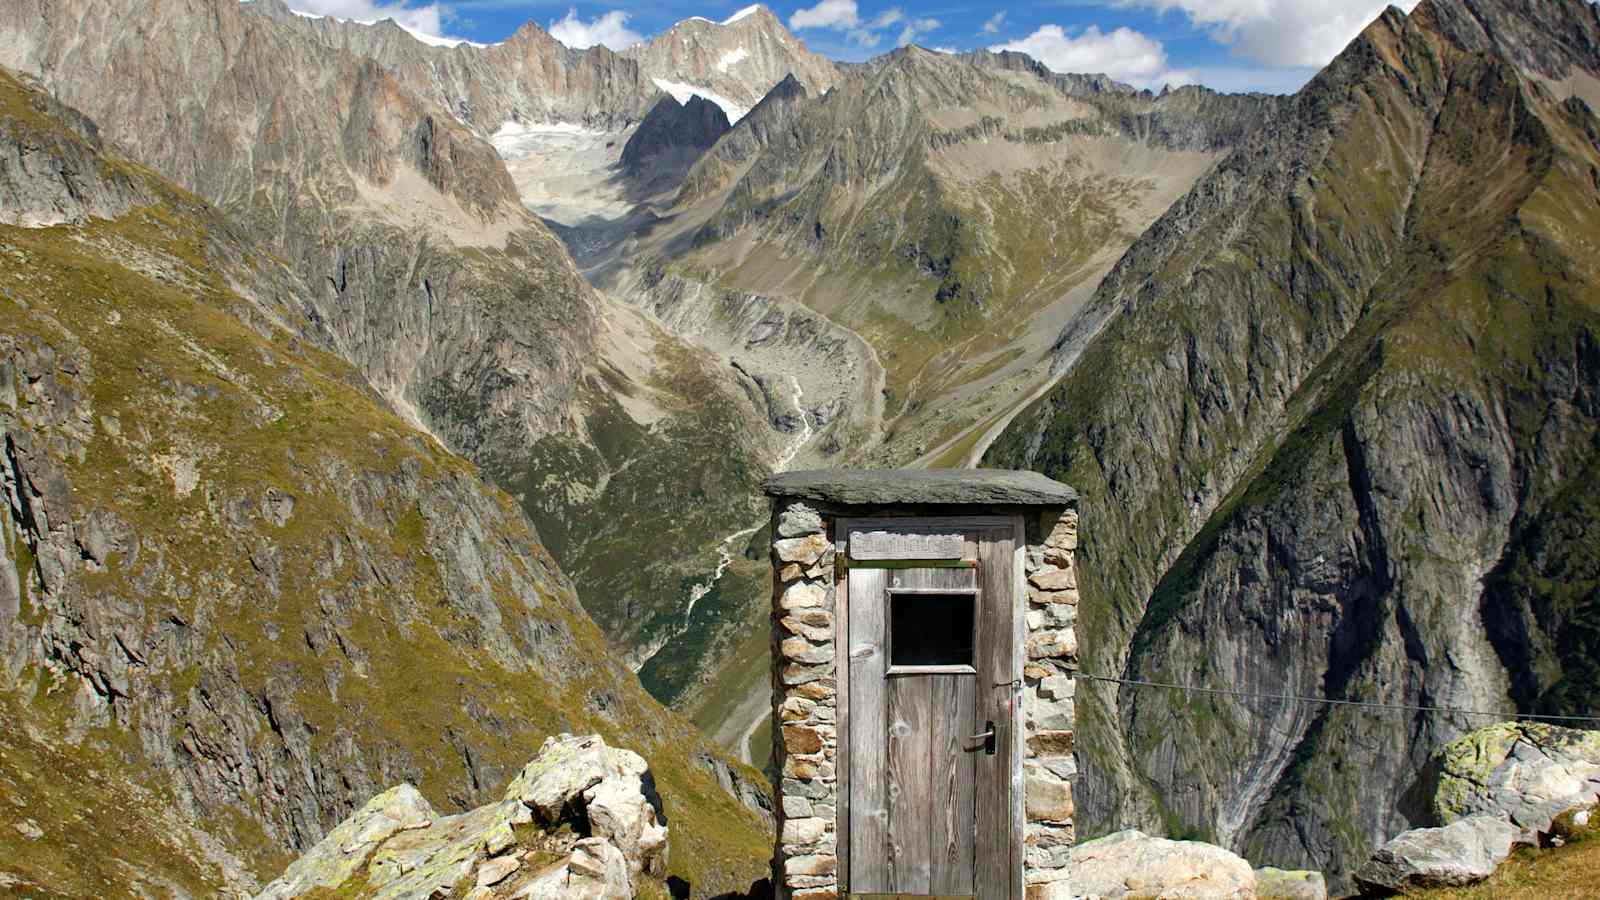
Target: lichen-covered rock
{"x":619,"y":811}
{"x":397,"y":847}
{"x":1283,"y":884}
{"x":555,"y":781}
{"x":1461,"y":853}
{"x":344,"y":851}
{"x":1133,"y":864}
{"x":1528,"y":773}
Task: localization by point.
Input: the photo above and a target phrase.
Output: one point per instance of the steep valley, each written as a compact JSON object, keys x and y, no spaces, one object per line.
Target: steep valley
{"x":759,"y":255}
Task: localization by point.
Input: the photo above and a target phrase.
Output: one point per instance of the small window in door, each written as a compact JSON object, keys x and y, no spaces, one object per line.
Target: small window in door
{"x":931,"y":630}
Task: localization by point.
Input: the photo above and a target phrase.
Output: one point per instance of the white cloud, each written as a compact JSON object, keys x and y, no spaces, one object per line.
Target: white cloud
{"x":1265,"y":79}
{"x":610,"y":29}
{"x":845,"y":16}
{"x":422,"y":21}
{"x":915,"y":28}
{"x":992,"y":25}
{"x":1280,"y":32}
{"x":827,"y":14}
{"x":1123,"y":54}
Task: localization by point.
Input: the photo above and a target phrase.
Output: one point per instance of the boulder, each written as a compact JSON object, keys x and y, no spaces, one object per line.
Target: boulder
{"x":596,"y":870}
{"x":344,"y":850}
{"x":1461,"y":853}
{"x":1285,"y":884}
{"x":620,"y":812}
{"x":553,"y":784}
{"x":1133,"y":864}
{"x":396,"y":846}
{"x":1528,"y":773}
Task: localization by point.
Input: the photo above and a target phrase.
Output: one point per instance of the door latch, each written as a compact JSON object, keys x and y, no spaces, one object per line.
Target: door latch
{"x":987,"y":736}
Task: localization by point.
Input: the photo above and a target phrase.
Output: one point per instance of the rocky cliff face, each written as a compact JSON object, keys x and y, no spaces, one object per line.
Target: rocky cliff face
{"x":1364,"y":348}
{"x":235,"y":580}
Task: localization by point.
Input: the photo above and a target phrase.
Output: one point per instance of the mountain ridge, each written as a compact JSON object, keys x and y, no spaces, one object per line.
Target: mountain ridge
{"x":1343,"y":298}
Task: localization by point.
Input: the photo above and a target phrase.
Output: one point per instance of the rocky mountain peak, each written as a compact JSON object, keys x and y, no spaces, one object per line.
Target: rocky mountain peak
{"x":683,"y":129}
{"x":787,"y":89}
{"x":733,"y":62}
{"x":1542,"y":37}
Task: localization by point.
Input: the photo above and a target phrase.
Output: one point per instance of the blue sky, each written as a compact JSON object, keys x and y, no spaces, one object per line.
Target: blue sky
{"x":1231,"y":45}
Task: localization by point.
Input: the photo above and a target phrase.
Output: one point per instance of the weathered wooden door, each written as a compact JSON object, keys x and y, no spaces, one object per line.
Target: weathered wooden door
{"x":928,"y":731}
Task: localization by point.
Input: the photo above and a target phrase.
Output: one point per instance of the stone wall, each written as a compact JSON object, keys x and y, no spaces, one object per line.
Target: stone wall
{"x":805,"y":740}
{"x":806,"y":736}
{"x":1049,"y":685}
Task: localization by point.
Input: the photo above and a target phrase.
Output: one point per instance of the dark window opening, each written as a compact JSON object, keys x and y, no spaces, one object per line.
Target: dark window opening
{"x":931,"y":629}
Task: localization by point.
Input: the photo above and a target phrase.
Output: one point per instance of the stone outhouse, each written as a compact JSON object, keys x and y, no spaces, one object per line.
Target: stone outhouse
{"x":923,"y":662}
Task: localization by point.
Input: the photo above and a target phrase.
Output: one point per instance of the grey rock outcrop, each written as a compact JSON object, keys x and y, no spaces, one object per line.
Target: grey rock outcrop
{"x":1132,"y":864}
{"x":396,"y":846}
{"x":1461,"y":853}
{"x":344,"y":851}
{"x":51,"y":171}
{"x":1527,"y":773}
{"x":582,"y":778}
{"x":1284,"y":884}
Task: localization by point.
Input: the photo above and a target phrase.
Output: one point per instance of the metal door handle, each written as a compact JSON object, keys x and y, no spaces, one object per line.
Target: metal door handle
{"x":987,"y":736}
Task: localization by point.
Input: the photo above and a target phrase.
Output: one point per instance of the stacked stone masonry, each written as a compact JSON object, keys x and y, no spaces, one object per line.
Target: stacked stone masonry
{"x":805,"y":740}
{"x":1049,"y":685}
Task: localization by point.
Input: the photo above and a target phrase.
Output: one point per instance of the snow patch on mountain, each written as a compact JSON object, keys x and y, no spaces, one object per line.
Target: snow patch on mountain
{"x":747,"y":11}
{"x":682,"y":92}
{"x":432,"y":40}
{"x":732,"y":58}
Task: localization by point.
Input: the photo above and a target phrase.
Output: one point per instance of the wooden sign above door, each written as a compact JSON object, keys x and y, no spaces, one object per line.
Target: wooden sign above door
{"x":899,"y":542}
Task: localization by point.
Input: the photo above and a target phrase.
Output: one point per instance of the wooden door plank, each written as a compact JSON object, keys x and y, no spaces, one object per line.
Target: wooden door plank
{"x":841,"y":699}
{"x":995,"y":702}
{"x":910,"y":797}
{"x":949,"y":828}
{"x":953,"y":770}
{"x":1019,"y":643}
{"x":869,"y":802}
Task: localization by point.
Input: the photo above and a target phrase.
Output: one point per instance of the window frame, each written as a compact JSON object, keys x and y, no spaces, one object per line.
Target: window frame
{"x":891,"y":670}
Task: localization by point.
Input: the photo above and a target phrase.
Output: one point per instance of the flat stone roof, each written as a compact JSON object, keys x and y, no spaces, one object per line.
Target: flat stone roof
{"x":922,"y":487}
